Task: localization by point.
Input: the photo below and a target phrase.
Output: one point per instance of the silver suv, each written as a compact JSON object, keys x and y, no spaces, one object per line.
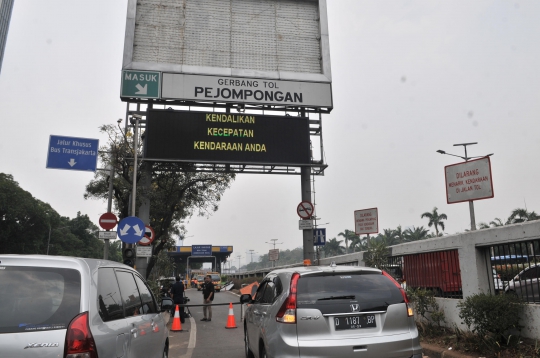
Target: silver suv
{"x":53,"y":306}
{"x":330,"y":311}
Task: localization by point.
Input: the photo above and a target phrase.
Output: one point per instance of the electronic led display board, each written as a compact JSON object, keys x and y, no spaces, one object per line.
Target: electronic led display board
{"x":239,"y":138}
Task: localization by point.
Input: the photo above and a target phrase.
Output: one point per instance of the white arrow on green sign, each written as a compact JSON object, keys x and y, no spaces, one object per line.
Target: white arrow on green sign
{"x":141,"y":84}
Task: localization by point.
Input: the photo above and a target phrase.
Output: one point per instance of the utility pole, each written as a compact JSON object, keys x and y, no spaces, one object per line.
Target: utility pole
{"x":251,"y":253}
{"x":274,"y":244}
{"x":238,"y":257}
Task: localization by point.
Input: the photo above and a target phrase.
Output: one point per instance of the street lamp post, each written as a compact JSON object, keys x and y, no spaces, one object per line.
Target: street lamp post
{"x":466,"y":158}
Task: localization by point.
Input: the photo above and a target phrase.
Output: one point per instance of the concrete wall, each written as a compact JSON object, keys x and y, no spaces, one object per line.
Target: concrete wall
{"x":473,"y":251}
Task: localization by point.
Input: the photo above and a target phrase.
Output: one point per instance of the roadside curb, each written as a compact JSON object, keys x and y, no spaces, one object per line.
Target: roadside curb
{"x":433,"y":351}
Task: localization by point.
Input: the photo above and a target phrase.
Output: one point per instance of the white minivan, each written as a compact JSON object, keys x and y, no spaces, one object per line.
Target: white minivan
{"x":54,"y":306}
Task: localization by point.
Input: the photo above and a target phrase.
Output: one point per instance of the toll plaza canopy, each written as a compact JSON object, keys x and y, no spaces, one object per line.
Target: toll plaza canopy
{"x":201,"y":253}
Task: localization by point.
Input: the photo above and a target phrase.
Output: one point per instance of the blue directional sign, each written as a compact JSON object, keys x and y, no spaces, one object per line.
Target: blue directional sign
{"x":319,"y":237}
{"x":72,"y":153}
{"x":201,"y":250}
{"x":131,"y":229}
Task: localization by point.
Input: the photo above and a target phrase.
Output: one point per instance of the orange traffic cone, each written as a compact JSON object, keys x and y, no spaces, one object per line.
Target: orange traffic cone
{"x":230,"y":320}
{"x":176,"y":324}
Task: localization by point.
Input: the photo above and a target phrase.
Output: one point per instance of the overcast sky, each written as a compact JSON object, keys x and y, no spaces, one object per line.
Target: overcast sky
{"x":409,"y":78}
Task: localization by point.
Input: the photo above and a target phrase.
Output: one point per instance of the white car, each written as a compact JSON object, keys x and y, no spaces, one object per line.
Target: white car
{"x":68,"y":307}
{"x":526,"y":284}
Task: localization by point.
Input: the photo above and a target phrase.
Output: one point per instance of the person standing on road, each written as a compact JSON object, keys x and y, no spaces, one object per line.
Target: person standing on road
{"x":177,"y":294}
{"x":208,"y":295}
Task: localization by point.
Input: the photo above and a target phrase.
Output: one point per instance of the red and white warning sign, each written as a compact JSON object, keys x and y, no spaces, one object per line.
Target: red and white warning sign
{"x":468,"y":181}
{"x":305,"y":209}
{"x":148,"y":237}
{"x":366,"y":221}
{"x":108,"y":221}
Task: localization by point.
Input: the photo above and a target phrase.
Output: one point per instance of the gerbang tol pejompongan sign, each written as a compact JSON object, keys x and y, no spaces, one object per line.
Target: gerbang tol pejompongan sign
{"x":468,"y":181}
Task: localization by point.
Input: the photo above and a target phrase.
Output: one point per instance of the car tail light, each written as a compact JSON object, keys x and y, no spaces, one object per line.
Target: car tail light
{"x":287,"y":312}
{"x":403,"y":293}
{"x":79,"y":340}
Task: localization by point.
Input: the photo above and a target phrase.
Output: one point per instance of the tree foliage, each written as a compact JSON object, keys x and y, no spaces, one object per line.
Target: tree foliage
{"x":30,"y":226}
{"x":435,"y":219}
{"x":174,"y":191}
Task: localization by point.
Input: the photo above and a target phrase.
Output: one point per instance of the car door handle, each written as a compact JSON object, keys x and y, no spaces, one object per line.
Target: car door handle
{"x":133,"y":331}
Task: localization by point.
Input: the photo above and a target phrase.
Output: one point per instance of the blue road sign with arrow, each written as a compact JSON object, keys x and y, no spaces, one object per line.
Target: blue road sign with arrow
{"x":319,"y":237}
{"x":72,"y":153}
{"x":131,"y":229}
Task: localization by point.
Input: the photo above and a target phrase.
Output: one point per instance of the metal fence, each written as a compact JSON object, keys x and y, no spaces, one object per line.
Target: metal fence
{"x":516,"y":269}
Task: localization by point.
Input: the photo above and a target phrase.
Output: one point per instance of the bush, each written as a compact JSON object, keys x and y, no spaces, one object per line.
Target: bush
{"x":492,"y":317}
{"x":425,"y":306}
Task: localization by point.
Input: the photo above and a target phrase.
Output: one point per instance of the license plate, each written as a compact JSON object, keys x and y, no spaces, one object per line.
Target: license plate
{"x":354,"y":322}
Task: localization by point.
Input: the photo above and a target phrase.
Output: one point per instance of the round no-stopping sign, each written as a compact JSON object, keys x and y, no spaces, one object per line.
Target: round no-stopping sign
{"x":108,"y":221}
{"x":305,"y":209}
{"x":148,"y":237}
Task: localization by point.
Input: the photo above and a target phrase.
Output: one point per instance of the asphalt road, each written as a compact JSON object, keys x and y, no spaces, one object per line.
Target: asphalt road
{"x":208,"y":339}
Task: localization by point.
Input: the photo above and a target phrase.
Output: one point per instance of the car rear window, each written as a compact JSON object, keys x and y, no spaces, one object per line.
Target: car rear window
{"x":372,"y":291}
{"x":216,"y":278}
{"x":38,"y":298}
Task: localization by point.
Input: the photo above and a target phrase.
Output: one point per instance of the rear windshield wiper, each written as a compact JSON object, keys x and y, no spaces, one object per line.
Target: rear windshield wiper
{"x":350,"y":297}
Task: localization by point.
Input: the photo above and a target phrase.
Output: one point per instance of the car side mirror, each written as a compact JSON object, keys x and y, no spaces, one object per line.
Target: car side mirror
{"x":166,"y":304}
{"x":245,"y":298}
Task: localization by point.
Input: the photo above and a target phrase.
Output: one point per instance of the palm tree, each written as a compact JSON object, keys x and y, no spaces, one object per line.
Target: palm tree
{"x":389,"y":237}
{"x":333,"y":247}
{"x":400,"y":235}
{"x":356,"y":243}
{"x":483,"y":226}
{"x":521,"y":215}
{"x":416,"y":233}
{"x":348,"y":235}
{"x":496,"y":223}
{"x":435,"y":219}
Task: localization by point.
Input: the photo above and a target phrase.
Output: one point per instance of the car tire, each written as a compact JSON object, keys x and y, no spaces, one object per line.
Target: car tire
{"x":165,"y":352}
{"x":249,"y":353}
{"x":263,"y":352}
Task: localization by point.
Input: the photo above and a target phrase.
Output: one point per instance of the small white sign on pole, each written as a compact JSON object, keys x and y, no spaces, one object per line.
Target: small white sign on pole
{"x":468,"y":181}
{"x":305,"y":224}
{"x":111,"y":235}
{"x":144,"y":251}
{"x":366,"y":221}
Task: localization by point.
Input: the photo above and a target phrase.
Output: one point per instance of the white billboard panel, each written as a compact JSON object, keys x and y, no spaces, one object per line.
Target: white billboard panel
{"x":366,"y":221}
{"x":468,"y":181}
{"x":283,"y":40}
{"x":246,"y":90}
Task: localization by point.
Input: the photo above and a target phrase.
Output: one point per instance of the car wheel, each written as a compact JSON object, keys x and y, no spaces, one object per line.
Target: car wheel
{"x":249,"y":353}
{"x":263,"y":352}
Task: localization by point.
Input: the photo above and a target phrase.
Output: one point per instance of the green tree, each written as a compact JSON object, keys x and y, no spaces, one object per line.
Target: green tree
{"x":376,"y":254}
{"x":496,"y":223}
{"x":333,"y":247}
{"x":416,"y":233}
{"x":175,"y":191}
{"x":348,"y":235}
{"x":435,"y":219}
{"x":24,"y":220}
{"x":520,"y":215}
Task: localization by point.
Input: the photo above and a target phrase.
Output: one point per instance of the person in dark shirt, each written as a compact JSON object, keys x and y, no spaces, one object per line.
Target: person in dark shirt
{"x":177,"y":294}
{"x":208,"y":295}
